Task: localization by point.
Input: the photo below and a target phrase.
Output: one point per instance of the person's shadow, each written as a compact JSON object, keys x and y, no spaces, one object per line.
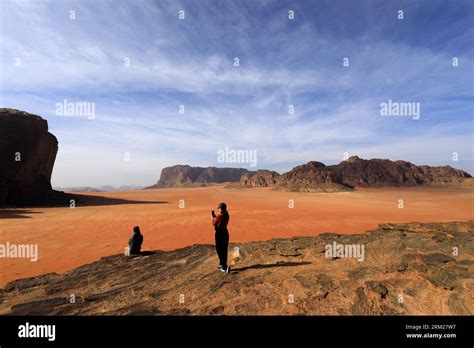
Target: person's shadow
{"x":272,"y":265}
{"x":144,"y":253}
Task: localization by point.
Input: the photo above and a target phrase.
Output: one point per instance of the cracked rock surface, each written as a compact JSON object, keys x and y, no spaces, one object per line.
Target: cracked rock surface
{"x":412,"y":268}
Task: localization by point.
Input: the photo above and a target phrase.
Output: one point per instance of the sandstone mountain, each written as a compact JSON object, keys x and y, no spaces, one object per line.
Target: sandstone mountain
{"x":27,"y":155}
{"x":382,"y":172}
{"x":355,"y":172}
{"x":187,"y":176}
{"x":407,"y":269}
{"x":259,"y":178}
{"x":311,"y":177}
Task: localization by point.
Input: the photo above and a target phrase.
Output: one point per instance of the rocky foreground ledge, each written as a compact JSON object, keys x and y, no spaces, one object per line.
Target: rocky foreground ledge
{"x":406,"y":269}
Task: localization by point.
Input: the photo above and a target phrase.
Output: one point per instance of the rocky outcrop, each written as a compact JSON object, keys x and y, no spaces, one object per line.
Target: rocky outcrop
{"x":311,"y":177}
{"x":317,"y":177}
{"x":187,"y":176}
{"x":27,"y":155}
{"x":382,"y":172}
{"x":357,"y":172}
{"x":259,"y":178}
{"x":405,"y":269}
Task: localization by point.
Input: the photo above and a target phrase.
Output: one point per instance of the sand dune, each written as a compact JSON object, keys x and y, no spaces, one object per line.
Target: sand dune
{"x":68,"y":237}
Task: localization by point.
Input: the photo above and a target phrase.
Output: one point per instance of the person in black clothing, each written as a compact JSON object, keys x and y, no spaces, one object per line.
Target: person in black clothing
{"x":135,"y":241}
{"x":220,"y":222}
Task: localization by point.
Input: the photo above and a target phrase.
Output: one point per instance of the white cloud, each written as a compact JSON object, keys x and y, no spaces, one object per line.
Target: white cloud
{"x":191,"y":63}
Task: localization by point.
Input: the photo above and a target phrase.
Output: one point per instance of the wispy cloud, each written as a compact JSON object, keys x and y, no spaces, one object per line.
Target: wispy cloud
{"x":283,"y":62}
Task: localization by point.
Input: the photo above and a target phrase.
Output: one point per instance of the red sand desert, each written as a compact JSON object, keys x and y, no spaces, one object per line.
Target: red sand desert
{"x":69,"y":237}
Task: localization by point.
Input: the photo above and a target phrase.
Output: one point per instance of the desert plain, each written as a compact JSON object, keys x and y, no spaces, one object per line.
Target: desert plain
{"x":101,"y":222}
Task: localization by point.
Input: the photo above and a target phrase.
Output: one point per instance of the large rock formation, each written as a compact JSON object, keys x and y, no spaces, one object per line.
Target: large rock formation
{"x":311,"y":177}
{"x":317,"y":177}
{"x":356,"y":172}
{"x":406,"y":269}
{"x":27,"y":154}
{"x":187,"y":176}
{"x":382,"y":172}
{"x":259,"y":178}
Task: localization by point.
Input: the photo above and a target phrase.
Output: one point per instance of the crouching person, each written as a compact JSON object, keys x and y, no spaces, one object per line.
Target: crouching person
{"x":135,"y":242}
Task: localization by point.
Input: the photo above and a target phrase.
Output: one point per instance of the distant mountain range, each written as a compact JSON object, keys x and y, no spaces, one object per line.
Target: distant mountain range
{"x":316,"y":176}
{"x":106,"y":188}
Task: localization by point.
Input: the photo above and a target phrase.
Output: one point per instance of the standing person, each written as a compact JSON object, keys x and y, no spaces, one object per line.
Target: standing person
{"x":135,"y":241}
{"x":220,"y":222}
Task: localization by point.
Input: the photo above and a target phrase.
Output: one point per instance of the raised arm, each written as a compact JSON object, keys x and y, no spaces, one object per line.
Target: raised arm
{"x":216,"y":219}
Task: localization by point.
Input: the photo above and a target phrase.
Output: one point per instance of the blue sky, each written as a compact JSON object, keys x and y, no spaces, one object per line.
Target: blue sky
{"x":190,"y":62}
